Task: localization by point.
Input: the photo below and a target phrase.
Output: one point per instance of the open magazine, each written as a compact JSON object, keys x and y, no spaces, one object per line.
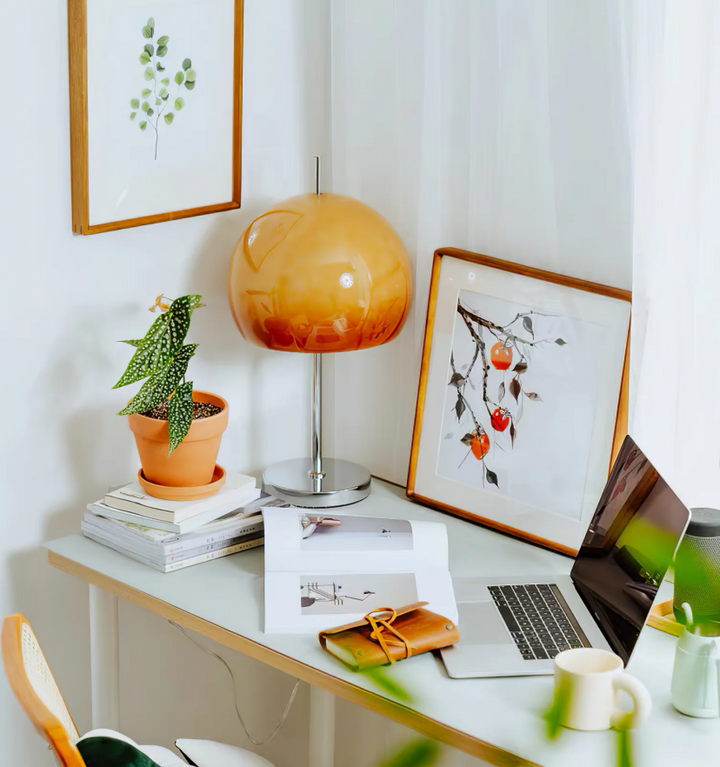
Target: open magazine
{"x":324,"y":570}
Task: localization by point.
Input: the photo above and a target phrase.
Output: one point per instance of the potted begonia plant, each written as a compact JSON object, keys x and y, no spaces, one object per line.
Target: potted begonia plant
{"x":177,"y":429}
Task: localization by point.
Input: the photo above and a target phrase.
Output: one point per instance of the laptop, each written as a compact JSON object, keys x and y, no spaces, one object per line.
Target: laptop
{"x":516,"y":626}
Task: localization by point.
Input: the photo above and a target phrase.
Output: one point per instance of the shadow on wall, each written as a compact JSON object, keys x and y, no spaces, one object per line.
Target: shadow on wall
{"x":262,"y":399}
{"x":92,"y":449}
{"x":92,"y":453}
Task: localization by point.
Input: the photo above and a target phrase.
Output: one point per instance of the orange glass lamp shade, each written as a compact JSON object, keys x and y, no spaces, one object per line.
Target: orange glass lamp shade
{"x":319,"y":273}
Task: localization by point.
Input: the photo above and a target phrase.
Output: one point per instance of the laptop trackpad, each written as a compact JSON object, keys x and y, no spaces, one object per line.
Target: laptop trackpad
{"x":480,"y":623}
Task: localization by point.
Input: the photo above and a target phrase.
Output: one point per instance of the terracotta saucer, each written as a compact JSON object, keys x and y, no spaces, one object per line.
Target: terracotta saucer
{"x":168,"y":493}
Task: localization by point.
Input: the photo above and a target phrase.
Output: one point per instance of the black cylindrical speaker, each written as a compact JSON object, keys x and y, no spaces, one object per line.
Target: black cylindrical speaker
{"x":697,"y":568}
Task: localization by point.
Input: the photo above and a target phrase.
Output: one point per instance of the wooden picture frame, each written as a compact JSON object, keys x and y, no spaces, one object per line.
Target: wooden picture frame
{"x":586,"y":304}
{"x":80,"y":134}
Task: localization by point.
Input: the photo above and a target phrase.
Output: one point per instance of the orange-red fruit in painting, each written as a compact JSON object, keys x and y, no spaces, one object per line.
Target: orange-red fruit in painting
{"x":500,"y":419}
{"x":480,"y":445}
{"x":319,"y":273}
{"x":501,"y":356}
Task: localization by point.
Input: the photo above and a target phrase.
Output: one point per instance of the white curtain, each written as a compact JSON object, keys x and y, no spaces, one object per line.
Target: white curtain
{"x":499,"y":126}
{"x":676,"y":341}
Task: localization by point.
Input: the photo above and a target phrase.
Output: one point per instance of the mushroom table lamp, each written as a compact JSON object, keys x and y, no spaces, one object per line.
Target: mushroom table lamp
{"x":319,"y":273}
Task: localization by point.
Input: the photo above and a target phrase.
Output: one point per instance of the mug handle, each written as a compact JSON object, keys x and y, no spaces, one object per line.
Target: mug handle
{"x":625,"y":720}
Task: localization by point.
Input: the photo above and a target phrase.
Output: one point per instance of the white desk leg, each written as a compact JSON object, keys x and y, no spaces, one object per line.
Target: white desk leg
{"x":104,"y":659}
{"x":322,"y":728}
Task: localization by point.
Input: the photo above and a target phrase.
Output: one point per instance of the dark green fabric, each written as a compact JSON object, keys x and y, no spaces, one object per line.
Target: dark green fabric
{"x":108,"y":752}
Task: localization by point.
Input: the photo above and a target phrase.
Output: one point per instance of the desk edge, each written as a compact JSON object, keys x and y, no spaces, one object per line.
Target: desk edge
{"x":346,"y":690}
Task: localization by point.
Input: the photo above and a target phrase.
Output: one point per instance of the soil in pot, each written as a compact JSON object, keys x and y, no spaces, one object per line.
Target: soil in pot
{"x":200,"y":410}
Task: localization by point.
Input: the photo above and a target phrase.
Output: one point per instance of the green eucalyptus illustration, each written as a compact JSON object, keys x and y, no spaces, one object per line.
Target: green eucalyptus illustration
{"x":155,"y":99}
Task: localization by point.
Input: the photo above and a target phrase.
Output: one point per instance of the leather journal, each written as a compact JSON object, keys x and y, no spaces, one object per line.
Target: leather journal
{"x":385,"y":636}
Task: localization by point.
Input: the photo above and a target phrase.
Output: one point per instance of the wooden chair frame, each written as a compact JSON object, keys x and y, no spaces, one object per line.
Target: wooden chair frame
{"x":45,"y":722}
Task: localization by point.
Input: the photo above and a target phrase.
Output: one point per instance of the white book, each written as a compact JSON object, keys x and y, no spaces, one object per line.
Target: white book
{"x":185,"y":563}
{"x":158,"y":553}
{"x":169,"y":543}
{"x":325,"y":569}
{"x":179,"y":528}
{"x":133,"y":498}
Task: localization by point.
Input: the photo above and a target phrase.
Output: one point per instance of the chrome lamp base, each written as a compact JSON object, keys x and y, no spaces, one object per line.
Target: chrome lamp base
{"x":343,"y":483}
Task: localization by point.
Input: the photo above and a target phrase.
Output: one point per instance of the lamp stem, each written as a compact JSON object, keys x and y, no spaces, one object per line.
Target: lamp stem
{"x":316,"y":472}
{"x":316,"y":420}
{"x":318,"y":175}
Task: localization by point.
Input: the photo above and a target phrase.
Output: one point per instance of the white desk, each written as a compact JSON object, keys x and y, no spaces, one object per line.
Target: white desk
{"x":498,"y":720}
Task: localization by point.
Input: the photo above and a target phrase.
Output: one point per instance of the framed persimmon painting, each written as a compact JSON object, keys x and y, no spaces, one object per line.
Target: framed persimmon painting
{"x":523,"y":397}
{"x":155,"y":110}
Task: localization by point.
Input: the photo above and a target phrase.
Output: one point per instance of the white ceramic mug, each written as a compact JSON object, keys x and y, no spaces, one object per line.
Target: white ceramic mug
{"x":587,"y":684}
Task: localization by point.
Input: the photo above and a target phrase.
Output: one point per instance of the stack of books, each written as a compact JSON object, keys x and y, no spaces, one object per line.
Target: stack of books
{"x":172,"y":535}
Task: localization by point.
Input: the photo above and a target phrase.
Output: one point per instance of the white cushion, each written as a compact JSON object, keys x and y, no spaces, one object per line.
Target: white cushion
{"x":161,"y":756}
{"x":207,"y":753}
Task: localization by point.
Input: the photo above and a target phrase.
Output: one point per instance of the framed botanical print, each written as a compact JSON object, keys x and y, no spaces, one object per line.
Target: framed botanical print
{"x":522,"y":402}
{"x":155,"y":110}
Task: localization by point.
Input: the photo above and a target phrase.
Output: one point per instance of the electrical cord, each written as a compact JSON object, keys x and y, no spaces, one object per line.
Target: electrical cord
{"x":232,"y":677}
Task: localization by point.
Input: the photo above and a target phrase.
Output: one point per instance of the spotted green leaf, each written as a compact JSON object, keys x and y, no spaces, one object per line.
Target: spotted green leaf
{"x":162,"y":50}
{"x":191,"y":75}
{"x":186,"y":64}
{"x":149,"y":73}
{"x":162,"y":384}
{"x":144,"y":58}
{"x":158,"y":101}
{"x":165,"y":81}
{"x":180,"y":78}
{"x":180,"y":415}
{"x":147,"y":32}
{"x":143,"y":125}
{"x":163,"y":40}
{"x":190,"y":86}
{"x":145,"y":106}
{"x":160,"y":67}
{"x":150,"y":49}
{"x":133,"y":115}
{"x":146,"y":92}
{"x":133,"y":342}
{"x":169,"y":118}
{"x":164,"y":339}
{"x":179,"y":103}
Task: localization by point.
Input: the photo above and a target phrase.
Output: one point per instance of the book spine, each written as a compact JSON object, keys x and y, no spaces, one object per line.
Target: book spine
{"x":236,"y":498}
{"x":212,"y":555}
{"x":172,"y":544}
{"x":100,"y":515}
{"x":180,"y":565}
{"x":156,"y":553}
{"x":215,"y":538}
{"x":135,"y":519}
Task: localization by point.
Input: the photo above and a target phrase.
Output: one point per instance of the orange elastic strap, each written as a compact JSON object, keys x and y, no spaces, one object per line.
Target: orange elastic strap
{"x":378,"y":624}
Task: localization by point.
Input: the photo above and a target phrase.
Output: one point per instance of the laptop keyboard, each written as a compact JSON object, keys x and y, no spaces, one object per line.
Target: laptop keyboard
{"x":540,"y":622}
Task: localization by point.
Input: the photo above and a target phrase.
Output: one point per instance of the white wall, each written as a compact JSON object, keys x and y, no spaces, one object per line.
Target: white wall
{"x":67,"y":299}
{"x":553,"y":162}
{"x":499,"y":126}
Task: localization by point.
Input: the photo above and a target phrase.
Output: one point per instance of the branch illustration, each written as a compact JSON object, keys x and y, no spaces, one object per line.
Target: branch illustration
{"x":149,"y":58}
{"x":508,"y":343}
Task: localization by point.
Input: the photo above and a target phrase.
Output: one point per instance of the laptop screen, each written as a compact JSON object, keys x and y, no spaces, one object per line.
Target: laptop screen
{"x":628,"y":547}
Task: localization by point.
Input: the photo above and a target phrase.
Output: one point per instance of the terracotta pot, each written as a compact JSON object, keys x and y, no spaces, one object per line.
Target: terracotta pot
{"x":192,"y":463}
